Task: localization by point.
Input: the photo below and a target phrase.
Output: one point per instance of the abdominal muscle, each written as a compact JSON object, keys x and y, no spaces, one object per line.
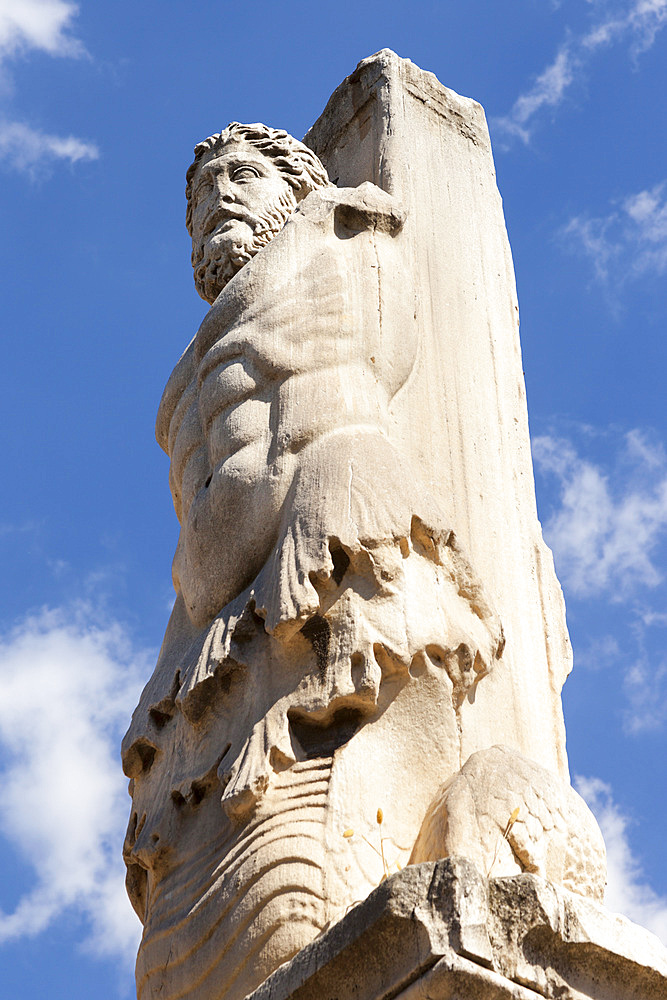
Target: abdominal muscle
{"x":241,"y":462}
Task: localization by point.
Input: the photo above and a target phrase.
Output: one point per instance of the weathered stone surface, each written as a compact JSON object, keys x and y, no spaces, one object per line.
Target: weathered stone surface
{"x":364,"y":601}
{"x":441,"y":930}
{"x":507,"y":814}
{"x":461,"y":417}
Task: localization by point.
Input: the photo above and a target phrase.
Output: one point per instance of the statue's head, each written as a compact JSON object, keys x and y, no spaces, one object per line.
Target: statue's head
{"x":241,"y":188}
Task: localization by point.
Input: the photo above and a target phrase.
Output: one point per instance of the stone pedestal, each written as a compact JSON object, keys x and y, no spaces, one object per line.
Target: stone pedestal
{"x":440,"y":930}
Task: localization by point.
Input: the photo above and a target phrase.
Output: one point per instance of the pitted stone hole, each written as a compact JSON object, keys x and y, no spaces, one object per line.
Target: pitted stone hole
{"x":199,"y":790}
{"x":436,"y":655}
{"x":357,"y":669}
{"x":340,"y":560}
{"x":208,"y":481}
{"x":163,"y":710}
{"x":202,"y":787}
{"x":322,"y":739}
{"x":279,"y":760}
{"x":386,"y":661}
{"x":139,"y":759}
{"x":318,"y":632}
{"x":178,"y":798}
{"x":247,"y":627}
{"x":147,"y":754}
{"x":418,"y":664}
{"x":159,"y":718}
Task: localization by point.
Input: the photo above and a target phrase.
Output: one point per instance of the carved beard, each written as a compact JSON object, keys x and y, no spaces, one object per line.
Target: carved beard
{"x":216,"y":263}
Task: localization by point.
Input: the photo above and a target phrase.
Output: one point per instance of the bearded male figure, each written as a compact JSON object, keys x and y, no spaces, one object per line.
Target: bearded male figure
{"x":241,"y":189}
{"x":327,"y":629}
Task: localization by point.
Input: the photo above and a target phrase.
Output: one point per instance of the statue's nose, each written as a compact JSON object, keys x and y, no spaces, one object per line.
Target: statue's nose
{"x":225,"y":193}
{"x":142,"y":844}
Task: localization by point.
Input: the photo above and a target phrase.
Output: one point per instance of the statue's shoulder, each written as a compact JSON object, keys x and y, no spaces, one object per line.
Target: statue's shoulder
{"x":364,"y":207}
{"x":179,"y":380}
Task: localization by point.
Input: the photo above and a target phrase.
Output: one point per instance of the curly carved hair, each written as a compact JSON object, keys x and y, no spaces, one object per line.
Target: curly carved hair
{"x":300,"y":167}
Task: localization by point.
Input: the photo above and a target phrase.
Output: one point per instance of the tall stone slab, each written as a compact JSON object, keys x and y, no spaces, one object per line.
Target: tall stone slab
{"x":462,"y":416}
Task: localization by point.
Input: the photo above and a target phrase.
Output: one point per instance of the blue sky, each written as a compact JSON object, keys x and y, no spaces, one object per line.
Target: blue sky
{"x":100,"y":106}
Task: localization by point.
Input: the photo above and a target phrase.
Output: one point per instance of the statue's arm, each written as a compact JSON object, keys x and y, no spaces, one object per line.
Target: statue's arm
{"x":181,"y":377}
{"x":364,"y":207}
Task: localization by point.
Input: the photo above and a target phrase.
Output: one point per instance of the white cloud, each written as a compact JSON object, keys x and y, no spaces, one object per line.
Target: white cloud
{"x":637,"y":21}
{"x":30,"y":150}
{"x":627,"y":891}
{"x":69,"y":683}
{"x":649,"y":617}
{"x":647,"y":211}
{"x":606,"y":528}
{"x":547,"y":91}
{"x":591,"y":238}
{"x":650,"y":453}
{"x":646,"y":19}
{"x":628,"y":242}
{"x":645,"y":689}
{"x":38,"y":25}
{"x":601,"y":653}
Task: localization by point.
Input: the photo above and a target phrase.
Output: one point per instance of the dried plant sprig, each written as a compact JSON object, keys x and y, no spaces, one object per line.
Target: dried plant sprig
{"x":379,"y":817}
{"x":505,"y":836}
{"x":386,"y":867}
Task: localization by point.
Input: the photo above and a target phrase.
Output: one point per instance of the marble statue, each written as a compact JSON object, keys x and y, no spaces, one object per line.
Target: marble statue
{"x":362,"y":670}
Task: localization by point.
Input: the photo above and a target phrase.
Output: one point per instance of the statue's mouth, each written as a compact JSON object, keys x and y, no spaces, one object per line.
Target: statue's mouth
{"x":225,"y":217}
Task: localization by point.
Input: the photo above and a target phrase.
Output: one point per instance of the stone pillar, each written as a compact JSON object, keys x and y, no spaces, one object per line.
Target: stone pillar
{"x":462,"y":416}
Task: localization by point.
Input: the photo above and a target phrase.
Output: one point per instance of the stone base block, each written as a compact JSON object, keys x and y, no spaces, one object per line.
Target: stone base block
{"x":441,"y":931}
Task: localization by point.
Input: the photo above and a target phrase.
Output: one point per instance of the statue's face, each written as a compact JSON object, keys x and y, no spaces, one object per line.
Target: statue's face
{"x":240,"y":200}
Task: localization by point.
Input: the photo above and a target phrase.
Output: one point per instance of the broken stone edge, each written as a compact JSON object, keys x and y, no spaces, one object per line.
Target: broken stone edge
{"x":439,"y":926}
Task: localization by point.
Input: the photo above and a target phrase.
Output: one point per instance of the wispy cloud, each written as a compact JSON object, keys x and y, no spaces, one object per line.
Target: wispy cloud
{"x":69,"y":682}
{"x":45,"y":26}
{"x":28,"y":149}
{"x":592,"y":238}
{"x":635,"y":21}
{"x":608,"y":524}
{"x":38,"y":24}
{"x":627,"y":890}
{"x":631,"y":240}
{"x":600,"y":653}
{"x":641,"y":671}
{"x":639,"y":20}
{"x":645,"y":689}
{"x":548,"y":91}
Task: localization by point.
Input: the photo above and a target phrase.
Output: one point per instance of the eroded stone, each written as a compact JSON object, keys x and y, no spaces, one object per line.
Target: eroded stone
{"x":364,"y":600}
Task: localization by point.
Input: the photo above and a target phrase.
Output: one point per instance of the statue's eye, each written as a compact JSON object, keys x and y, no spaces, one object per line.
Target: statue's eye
{"x":245,"y":173}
